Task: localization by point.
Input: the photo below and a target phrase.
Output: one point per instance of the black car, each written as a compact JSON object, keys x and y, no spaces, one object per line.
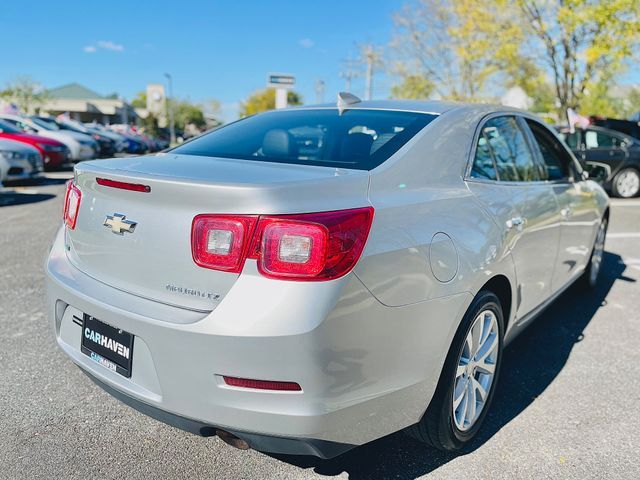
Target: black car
{"x":614,"y":154}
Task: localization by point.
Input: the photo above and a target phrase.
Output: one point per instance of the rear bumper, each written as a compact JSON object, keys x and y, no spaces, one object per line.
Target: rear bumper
{"x":264,"y":443}
{"x":366,"y":370}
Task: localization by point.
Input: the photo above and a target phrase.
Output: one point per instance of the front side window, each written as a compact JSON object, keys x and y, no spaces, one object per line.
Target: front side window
{"x":359,"y":139}
{"x":556,"y":159}
{"x":503,"y":140}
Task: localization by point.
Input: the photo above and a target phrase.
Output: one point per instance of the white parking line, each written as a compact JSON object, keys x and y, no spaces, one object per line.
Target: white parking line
{"x":625,"y":203}
{"x":624,"y":235}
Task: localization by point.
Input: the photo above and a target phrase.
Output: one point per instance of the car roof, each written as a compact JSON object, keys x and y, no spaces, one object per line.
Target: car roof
{"x":436,"y":107}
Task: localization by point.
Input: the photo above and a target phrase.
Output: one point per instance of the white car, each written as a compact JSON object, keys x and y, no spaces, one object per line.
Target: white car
{"x":81,"y":147}
{"x":20,"y":160}
{"x":310,"y":279}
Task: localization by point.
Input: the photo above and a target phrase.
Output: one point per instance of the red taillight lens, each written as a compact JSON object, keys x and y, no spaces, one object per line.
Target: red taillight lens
{"x":311,"y":246}
{"x":262,"y":384}
{"x":220,"y":242}
{"x":72,"y":199}
{"x":308,"y":247}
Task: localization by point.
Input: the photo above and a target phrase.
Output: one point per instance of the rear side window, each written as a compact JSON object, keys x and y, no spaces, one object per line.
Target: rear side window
{"x":503,"y":141}
{"x":596,"y":139}
{"x":555,"y":158}
{"x":357,"y":139}
{"x":483,"y":165}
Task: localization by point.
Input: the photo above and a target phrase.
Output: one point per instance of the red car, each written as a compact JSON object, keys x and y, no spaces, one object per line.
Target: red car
{"x":54,"y":153}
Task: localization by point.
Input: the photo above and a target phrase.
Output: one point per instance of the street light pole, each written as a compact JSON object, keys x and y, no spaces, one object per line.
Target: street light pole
{"x":172,"y":128}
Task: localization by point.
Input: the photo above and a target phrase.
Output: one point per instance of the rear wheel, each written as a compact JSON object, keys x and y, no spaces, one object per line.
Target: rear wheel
{"x":467,"y":383}
{"x":626,"y":183}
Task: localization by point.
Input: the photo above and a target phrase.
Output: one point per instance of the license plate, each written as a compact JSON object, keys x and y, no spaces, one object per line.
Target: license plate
{"x":109,"y":346}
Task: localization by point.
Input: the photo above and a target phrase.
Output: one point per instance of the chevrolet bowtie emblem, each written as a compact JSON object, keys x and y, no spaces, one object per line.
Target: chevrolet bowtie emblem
{"x":119,"y":224}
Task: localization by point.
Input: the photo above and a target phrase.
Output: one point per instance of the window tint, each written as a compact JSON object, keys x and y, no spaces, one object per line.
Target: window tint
{"x":513,"y":158}
{"x":483,"y":166}
{"x":556,"y":159}
{"x":596,"y":139}
{"x":359,"y":139}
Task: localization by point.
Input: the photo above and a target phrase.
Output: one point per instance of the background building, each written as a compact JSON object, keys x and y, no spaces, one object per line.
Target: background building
{"x":86,"y":105}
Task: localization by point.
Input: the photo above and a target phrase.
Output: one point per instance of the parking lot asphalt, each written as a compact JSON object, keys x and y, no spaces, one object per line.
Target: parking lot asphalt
{"x":567,"y":406}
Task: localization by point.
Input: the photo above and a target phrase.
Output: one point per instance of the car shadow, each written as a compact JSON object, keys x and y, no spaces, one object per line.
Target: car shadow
{"x":524,"y":376}
{"x":12,"y":198}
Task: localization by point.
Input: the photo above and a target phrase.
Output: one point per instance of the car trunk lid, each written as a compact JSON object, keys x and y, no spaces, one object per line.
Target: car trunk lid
{"x":154,"y":259}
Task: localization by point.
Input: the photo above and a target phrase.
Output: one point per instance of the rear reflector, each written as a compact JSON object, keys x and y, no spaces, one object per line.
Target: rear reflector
{"x":262,"y":384}
{"x":135,"y":187}
{"x":303,"y":247}
{"x":72,"y":198}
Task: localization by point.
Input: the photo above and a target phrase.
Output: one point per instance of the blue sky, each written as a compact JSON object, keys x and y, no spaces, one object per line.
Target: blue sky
{"x":213,"y":49}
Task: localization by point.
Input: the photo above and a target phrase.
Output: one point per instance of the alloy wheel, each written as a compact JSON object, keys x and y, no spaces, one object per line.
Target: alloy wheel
{"x":476,"y":370}
{"x":628,"y":183}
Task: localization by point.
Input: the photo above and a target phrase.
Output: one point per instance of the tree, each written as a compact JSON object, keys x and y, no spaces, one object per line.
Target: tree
{"x":580,"y":43}
{"x":263,"y":100}
{"x":413,"y":87}
{"x":26,"y":93}
{"x":456,"y":44}
{"x":140,"y":101}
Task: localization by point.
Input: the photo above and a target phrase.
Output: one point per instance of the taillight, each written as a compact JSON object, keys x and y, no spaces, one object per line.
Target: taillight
{"x":306,"y":247}
{"x":72,"y":199}
{"x":220,"y":242}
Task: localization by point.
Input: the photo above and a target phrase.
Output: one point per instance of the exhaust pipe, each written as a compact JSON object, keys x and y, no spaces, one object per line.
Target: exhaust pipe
{"x":231,"y":439}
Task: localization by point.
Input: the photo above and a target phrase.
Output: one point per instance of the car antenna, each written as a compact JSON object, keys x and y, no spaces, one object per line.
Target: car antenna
{"x":345,"y":99}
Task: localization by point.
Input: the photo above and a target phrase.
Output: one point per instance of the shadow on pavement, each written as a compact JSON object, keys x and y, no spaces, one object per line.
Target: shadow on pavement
{"x":531,"y":362}
{"x":12,"y":198}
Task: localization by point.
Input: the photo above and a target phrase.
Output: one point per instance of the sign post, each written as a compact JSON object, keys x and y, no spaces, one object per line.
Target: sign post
{"x":281,"y":82}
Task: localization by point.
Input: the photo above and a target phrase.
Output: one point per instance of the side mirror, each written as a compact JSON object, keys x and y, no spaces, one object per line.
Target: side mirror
{"x":585,"y":175}
{"x":595,"y":172}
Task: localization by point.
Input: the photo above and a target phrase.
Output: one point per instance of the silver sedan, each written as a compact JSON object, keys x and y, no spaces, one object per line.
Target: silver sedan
{"x":308,"y":280}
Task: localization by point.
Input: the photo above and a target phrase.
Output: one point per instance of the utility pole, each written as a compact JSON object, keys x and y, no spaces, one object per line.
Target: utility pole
{"x":371,"y":57}
{"x":172,"y":127}
{"x":320,"y":90}
{"x":349,"y":73}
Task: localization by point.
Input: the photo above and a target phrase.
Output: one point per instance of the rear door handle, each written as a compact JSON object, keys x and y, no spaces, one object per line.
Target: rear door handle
{"x":516,"y":222}
{"x":566,"y":212}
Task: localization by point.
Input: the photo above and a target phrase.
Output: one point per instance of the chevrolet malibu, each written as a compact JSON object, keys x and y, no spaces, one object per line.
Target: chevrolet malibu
{"x":307,"y":280}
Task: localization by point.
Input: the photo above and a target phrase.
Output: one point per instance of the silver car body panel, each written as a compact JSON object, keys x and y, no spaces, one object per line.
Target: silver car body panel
{"x":367,"y":348}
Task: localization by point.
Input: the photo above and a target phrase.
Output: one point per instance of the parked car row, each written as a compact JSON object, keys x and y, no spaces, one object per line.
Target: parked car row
{"x":31,"y":144}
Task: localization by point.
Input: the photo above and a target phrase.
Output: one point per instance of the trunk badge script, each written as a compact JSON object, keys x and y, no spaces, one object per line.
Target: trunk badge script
{"x":119,"y":224}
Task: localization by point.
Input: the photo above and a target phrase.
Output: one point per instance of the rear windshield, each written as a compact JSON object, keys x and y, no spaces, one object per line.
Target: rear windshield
{"x":358,"y":139}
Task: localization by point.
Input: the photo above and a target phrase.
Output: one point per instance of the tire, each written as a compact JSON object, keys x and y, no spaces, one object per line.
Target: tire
{"x":626,"y":183}
{"x":589,"y":278}
{"x":440,"y":426}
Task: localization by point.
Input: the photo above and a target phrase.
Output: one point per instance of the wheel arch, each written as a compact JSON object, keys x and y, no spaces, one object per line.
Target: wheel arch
{"x":501,"y":287}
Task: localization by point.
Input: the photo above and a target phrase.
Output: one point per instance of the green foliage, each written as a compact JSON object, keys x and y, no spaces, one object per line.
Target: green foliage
{"x":140,"y":101}
{"x":264,"y":100}
{"x":26,"y":93}
{"x":185,"y":112}
{"x":413,"y":87}
{"x":581,"y":44}
{"x":556,"y":51}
